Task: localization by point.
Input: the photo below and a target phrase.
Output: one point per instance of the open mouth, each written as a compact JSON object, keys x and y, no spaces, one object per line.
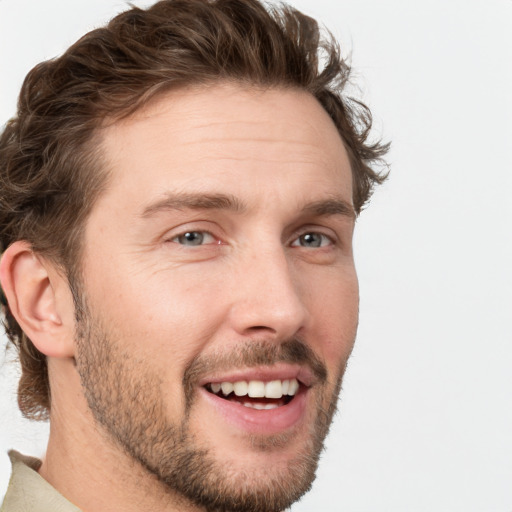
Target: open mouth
{"x":257,"y":394}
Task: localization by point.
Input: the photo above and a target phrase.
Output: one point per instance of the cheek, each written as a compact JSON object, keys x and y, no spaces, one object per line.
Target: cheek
{"x":335,"y":313}
{"x":169,"y":313}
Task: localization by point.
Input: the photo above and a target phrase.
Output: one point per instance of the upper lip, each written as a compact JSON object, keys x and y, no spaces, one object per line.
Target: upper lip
{"x":279,"y":371}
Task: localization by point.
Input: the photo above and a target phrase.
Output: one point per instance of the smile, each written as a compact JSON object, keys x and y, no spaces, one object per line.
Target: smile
{"x":275,"y":393}
{"x":261,"y":400}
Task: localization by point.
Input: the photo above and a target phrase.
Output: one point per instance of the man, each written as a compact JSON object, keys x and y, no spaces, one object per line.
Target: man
{"x":179,"y":192}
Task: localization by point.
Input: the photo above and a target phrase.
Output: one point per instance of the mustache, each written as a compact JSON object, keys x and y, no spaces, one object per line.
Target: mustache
{"x":255,"y":353}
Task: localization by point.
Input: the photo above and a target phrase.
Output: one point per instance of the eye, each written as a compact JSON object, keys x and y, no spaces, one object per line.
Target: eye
{"x":194,"y":238}
{"x":312,"y":240}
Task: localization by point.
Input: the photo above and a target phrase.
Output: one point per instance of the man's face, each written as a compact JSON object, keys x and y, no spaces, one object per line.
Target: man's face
{"x":220,"y":256}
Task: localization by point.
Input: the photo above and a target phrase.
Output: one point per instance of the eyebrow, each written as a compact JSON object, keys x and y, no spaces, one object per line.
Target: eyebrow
{"x":326,"y":207}
{"x":198,"y":201}
{"x":184,"y":201}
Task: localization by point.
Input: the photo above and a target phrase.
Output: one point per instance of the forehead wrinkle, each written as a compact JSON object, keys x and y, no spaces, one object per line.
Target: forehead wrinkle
{"x":199,"y":131}
{"x":248,"y":138}
{"x":282,"y":151}
{"x":195,"y":201}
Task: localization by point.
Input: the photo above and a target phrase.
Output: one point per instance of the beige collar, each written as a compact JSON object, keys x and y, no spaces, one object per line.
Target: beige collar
{"x":30,"y":492}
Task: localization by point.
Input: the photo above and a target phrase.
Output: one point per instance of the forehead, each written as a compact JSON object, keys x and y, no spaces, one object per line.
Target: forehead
{"x":226,"y":137}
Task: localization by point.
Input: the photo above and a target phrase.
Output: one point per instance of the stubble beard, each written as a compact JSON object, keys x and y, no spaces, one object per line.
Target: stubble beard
{"x":126,"y":400}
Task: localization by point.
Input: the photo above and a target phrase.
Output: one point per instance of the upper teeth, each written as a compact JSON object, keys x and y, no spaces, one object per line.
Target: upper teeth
{"x":257,"y":388}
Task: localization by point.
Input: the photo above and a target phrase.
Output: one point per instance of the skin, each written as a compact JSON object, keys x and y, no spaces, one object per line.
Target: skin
{"x":254,"y":283}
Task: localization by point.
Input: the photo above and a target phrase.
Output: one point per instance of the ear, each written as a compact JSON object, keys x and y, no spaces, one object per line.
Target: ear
{"x":39,"y":299}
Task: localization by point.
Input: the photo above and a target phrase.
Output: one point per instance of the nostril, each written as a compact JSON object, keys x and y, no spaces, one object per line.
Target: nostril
{"x":256,"y":314}
{"x":260,"y":328}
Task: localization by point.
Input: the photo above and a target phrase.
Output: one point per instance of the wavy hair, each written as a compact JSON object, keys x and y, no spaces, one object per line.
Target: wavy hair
{"x":50,"y":169}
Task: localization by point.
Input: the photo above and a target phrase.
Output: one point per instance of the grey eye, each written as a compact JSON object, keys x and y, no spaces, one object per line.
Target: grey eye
{"x":191,"y":238}
{"x":313,"y":240}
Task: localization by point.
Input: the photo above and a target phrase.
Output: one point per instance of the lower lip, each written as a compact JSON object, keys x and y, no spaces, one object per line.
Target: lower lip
{"x":269,"y":421}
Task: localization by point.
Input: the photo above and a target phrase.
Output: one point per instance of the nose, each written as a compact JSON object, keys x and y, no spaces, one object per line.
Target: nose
{"x":267,"y":297}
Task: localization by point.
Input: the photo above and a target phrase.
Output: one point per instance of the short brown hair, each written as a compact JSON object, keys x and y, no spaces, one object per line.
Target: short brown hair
{"x":50,"y":173}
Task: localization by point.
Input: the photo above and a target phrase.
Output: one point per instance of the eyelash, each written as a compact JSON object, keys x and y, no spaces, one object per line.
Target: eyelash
{"x":203,"y":233}
{"x":323,"y":237}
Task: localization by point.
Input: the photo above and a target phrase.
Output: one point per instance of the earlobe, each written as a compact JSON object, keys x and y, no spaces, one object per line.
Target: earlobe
{"x":31,"y":286}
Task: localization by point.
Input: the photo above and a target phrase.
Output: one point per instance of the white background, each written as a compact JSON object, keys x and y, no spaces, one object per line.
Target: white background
{"x":425,"y":422}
